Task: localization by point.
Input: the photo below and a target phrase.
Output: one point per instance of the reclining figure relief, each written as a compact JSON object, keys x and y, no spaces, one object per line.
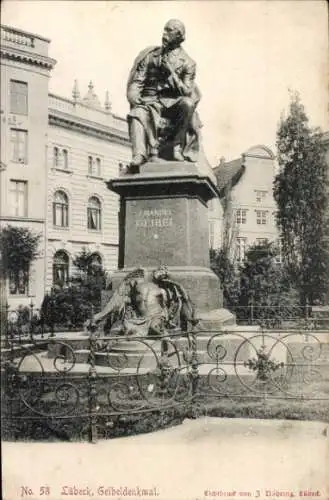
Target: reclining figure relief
{"x":146,"y":307}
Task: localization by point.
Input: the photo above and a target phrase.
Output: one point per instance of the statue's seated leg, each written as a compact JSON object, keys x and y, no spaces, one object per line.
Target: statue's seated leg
{"x":180,"y":115}
{"x":143,"y":133}
{"x":138,"y":138}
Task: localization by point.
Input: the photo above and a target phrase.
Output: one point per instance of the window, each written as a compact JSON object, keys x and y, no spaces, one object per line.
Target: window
{"x":94,"y":166}
{"x":18,"y":145}
{"x":60,"y":158}
{"x":241,"y":216}
{"x":211,"y":234}
{"x":60,"y":268}
{"x":18,"y":282}
{"x":61,"y":209}
{"x":56,"y":156}
{"x":65,"y":159}
{"x":18,"y":198}
{"x":94,"y":213}
{"x":241,"y":245}
{"x":98,"y":167}
{"x":261,"y":241}
{"x":18,"y":97}
{"x":261,"y":217}
{"x":260,"y":195}
{"x":90,"y":165}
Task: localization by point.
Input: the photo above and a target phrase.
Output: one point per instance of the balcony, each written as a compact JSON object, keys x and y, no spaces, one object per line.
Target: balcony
{"x":22,"y":42}
{"x":16,"y":36}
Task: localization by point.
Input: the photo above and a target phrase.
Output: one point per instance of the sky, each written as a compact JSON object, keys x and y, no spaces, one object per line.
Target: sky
{"x":248,"y":54}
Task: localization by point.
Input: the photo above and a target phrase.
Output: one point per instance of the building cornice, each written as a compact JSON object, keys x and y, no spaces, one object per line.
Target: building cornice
{"x":67,"y":121}
{"x":24,"y":33}
{"x":27,"y":57}
{"x":22,"y":219}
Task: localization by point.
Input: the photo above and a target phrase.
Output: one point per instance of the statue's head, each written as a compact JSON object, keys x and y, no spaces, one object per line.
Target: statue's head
{"x":173,"y":33}
{"x":160,"y":273}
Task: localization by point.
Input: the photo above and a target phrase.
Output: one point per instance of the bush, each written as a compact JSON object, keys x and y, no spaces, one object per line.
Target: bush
{"x":70,"y":306}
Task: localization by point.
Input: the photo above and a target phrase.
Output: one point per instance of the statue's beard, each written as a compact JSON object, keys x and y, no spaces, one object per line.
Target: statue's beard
{"x":170,"y":44}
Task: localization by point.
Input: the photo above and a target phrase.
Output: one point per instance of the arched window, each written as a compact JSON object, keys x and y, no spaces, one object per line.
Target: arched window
{"x":60,"y":268}
{"x":61,"y":209}
{"x":94,"y":214}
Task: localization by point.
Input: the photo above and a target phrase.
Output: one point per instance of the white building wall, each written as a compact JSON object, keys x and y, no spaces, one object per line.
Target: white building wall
{"x":215,"y":220}
{"x":259,"y":175}
{"x":79,"y":186}
{"x":24,"y":58}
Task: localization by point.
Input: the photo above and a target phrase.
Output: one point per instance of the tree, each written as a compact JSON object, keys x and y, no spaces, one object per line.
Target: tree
{"x":301,"y":193}
{"x":71,"y":305}
{"x":19,"y":248}
{"x":225,"y":270}
{"x":264,"y":285}
{"x":222,"y":260}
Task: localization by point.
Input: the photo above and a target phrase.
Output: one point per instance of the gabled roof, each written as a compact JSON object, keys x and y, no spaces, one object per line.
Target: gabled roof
{"x":229,"y":173}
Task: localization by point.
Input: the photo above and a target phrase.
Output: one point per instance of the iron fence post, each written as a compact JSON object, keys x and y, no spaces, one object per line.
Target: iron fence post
{"x":194,"y":364}
{"x":164,"y":375}
{"x":41,"y":323}
{"x":6,"y":325}
{"x":31,"y":320}
{"x":92,"y":374}
{"x":52,"y":319}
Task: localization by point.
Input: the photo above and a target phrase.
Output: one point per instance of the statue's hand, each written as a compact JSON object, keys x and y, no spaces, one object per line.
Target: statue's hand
{"x":135,"y":101}
{"x":166,"y":64}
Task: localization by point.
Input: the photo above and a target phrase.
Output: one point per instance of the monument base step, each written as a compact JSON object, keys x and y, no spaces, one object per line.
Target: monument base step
{"x":215,"y":320}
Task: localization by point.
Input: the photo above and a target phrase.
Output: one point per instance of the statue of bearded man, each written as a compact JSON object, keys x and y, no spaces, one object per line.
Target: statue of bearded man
{"x":161,"y":89}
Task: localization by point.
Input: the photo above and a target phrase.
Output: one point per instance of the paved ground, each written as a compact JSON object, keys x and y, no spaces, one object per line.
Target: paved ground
{"x":205,"y":458}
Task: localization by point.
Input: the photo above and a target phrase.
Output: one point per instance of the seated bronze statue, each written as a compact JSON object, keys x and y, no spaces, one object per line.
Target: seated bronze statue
{"x":163,"y":97}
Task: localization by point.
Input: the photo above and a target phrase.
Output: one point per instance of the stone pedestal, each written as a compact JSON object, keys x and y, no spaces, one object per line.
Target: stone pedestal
{"x":164,"y":221}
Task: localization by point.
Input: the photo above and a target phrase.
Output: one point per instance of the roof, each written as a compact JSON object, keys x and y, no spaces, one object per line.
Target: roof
{"x":229,"y":173}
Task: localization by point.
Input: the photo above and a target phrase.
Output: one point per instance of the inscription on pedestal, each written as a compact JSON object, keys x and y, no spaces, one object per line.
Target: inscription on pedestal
{"x":173,"y":231}
{"x":154,"y":218}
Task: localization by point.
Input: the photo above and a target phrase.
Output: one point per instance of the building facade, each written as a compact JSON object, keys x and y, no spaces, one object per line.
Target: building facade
{"x":25,"y":74}
{"x":56,"y":155}
{"x":246,"y":185}
{"x":86,"y":144}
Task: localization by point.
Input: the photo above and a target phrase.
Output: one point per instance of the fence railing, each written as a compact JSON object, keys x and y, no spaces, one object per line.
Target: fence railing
{"x":30,"y":321}
{"x":86,"y":386}
{"x":279,"y":316}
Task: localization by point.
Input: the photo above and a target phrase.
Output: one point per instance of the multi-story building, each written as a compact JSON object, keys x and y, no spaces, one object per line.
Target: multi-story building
{"x":56,"y":155}
{"x":25,"y":74}
{"x":86,"y":144}
{"x":247,"y":185}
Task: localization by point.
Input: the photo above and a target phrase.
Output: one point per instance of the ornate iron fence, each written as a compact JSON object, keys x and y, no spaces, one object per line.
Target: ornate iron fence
{"x":75,"y":386}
